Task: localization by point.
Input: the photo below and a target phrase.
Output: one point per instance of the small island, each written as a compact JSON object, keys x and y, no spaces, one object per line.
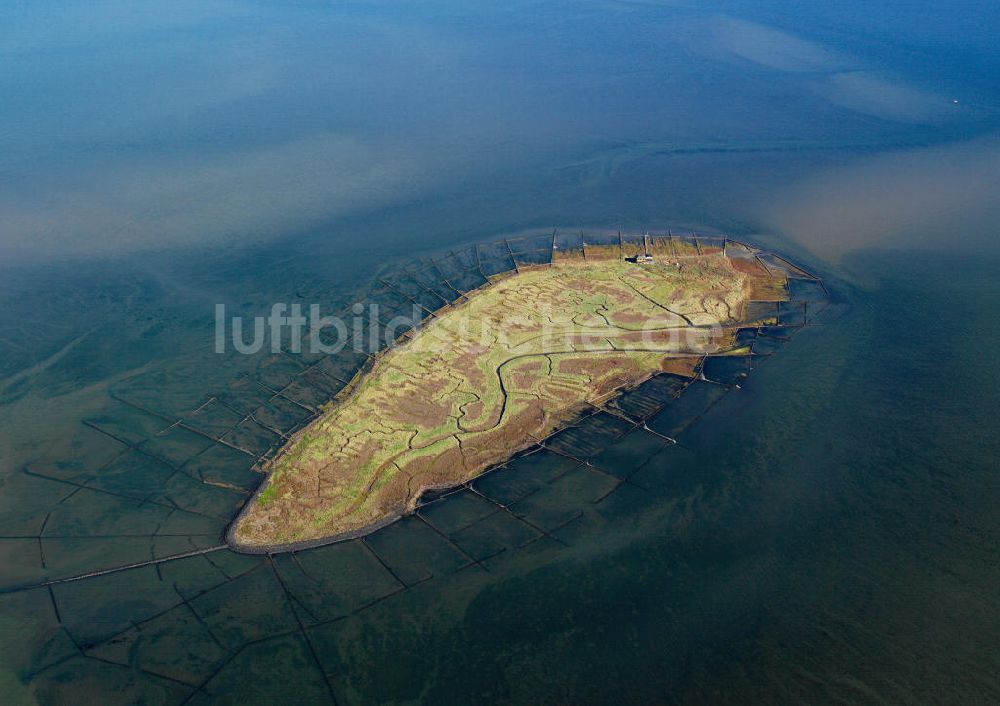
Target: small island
{"x":495,"y":372}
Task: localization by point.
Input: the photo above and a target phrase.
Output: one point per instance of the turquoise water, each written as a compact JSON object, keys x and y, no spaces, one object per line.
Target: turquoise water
{"x":827,"y":532}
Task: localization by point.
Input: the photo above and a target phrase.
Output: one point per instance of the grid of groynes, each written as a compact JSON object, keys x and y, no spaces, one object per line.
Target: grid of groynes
{"x":128,"y":582}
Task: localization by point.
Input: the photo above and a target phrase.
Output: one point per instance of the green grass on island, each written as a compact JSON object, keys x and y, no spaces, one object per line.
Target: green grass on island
{"x":493,"y":373}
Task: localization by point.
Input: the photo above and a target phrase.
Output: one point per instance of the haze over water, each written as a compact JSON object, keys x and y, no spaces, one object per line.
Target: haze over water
{"x":836,"y":538}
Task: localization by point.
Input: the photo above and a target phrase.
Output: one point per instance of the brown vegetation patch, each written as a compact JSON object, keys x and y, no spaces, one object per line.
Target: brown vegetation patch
{"x":749,"y":266}
{"x":473,"y":410}
{"x":602,"y":252}
{"x":681,"y":366}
